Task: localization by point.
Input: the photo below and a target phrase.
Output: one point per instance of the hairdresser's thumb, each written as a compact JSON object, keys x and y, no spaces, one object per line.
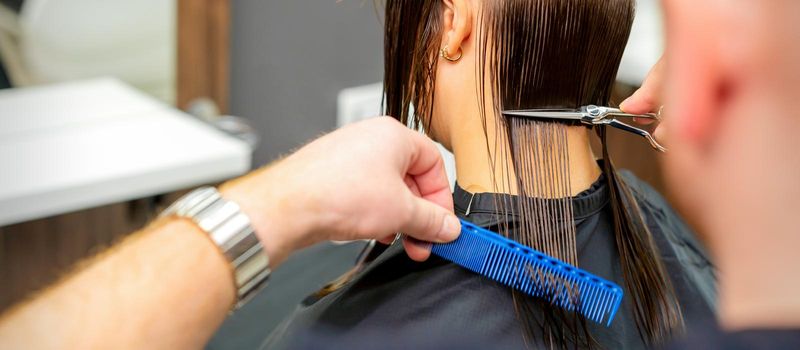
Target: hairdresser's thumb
{"x":648,"y":97}
{"x":642,"y":101}
{"x":430,"y":222}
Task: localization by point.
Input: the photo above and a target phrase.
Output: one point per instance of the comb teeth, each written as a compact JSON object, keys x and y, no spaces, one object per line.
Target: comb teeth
{"x":533,"y":273}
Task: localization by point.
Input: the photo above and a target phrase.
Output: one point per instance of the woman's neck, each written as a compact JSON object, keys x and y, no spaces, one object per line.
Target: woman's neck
{"x":473,"y":165}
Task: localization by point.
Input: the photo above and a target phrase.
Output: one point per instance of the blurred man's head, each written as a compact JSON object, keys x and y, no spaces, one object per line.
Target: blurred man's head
{"x":732,"y":100}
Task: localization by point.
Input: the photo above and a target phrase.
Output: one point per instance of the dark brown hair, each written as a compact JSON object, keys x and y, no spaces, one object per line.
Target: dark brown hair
{"x":539,"y":54}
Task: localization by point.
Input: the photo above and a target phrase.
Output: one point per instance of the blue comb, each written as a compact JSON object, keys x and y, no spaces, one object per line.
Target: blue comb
{"x":532,"y":272}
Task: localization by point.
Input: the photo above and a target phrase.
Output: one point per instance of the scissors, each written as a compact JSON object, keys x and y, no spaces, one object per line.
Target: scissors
{"x":593,"y":115}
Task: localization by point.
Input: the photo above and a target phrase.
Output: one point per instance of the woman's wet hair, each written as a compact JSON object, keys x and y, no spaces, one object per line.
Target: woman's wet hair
{"x":538,"y":54}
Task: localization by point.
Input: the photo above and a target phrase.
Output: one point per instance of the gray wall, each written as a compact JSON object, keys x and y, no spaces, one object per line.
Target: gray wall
{"x":291,"y":57}
{"x":289,"y":60}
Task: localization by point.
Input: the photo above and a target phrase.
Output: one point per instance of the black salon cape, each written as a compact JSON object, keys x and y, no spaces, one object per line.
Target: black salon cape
{"x":396,"y":303}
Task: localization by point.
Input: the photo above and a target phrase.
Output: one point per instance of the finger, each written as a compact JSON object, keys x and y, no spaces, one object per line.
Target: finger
{"x":387,"y":240}
{"x":417,"y":250}
{"x":647,"y":98}
{"x":412,"y":185}
{"x":427,"y":221}
{"x":426,"y":168}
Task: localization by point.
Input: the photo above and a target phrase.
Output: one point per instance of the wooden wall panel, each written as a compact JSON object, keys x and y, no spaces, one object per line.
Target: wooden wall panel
{"x":203,"y":51}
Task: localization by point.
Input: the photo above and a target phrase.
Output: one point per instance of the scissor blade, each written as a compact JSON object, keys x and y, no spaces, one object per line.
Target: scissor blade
{"x":544,"y":114}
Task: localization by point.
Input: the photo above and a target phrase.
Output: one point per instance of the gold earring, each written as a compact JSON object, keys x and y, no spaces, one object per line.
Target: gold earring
{"x":443,"y":54}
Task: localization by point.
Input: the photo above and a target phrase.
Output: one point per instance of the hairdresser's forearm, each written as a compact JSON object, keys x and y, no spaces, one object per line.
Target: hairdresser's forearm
{"x":167,"y":286}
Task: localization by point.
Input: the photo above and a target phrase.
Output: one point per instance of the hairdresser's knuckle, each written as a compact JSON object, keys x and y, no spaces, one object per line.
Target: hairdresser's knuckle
{"x":382,"y":129}
{"x":385,"y":124}
{"x":406,"y":212}
{"x":430,"y":218}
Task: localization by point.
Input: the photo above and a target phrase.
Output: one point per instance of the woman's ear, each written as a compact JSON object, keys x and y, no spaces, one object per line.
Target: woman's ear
{"x":458,"y":17}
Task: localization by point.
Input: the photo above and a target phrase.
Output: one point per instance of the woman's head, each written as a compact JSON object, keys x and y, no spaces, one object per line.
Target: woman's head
{"x":517,"y":54}
{"x":513,"y":54}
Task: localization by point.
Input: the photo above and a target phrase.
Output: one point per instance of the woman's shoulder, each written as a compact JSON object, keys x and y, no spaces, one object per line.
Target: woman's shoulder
{"x":662,"y":218}
{"x":396,"y":287}
{"x":411,"y":298}
{"x":644,"y":192}
{"x":684,"y":254}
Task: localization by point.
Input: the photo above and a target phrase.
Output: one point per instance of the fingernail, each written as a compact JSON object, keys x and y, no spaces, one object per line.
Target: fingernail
{"x":622,"y":105}
{"x":451,"y":227}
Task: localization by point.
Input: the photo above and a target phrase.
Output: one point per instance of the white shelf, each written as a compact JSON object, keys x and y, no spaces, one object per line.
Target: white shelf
{"x":79,"y":145}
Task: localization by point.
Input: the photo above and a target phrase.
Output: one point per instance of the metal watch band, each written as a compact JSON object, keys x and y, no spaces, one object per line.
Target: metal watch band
{"x":230,"y":229}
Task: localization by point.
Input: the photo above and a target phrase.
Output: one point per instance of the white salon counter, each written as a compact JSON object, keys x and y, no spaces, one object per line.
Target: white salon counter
{"x":79,"y":145}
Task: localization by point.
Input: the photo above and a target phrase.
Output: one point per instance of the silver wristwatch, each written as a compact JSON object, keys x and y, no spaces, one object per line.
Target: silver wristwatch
{"x":230,"y":229}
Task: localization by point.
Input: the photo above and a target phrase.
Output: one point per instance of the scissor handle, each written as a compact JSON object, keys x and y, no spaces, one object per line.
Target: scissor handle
{"x":643,"y":133}
{"x":616,"y":112}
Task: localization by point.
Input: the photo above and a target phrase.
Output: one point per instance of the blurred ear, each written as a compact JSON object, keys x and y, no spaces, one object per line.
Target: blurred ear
{"x":697,"y":84}
{"x":458,"y":17}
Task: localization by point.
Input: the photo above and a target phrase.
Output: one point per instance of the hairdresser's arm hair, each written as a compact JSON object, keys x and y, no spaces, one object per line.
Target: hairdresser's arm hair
{"x":169,"y":286}
{"x":166,"y":286}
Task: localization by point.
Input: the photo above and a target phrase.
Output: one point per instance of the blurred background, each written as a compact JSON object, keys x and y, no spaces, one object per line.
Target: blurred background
{"x":110,"y":109}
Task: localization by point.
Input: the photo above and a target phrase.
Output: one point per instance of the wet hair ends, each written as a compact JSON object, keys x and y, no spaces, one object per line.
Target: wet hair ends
{"x":658,"y":311}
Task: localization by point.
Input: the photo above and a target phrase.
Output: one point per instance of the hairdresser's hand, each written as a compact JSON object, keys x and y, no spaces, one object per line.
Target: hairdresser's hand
{"x":368,"y":180}
{"x":648,"y":98}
